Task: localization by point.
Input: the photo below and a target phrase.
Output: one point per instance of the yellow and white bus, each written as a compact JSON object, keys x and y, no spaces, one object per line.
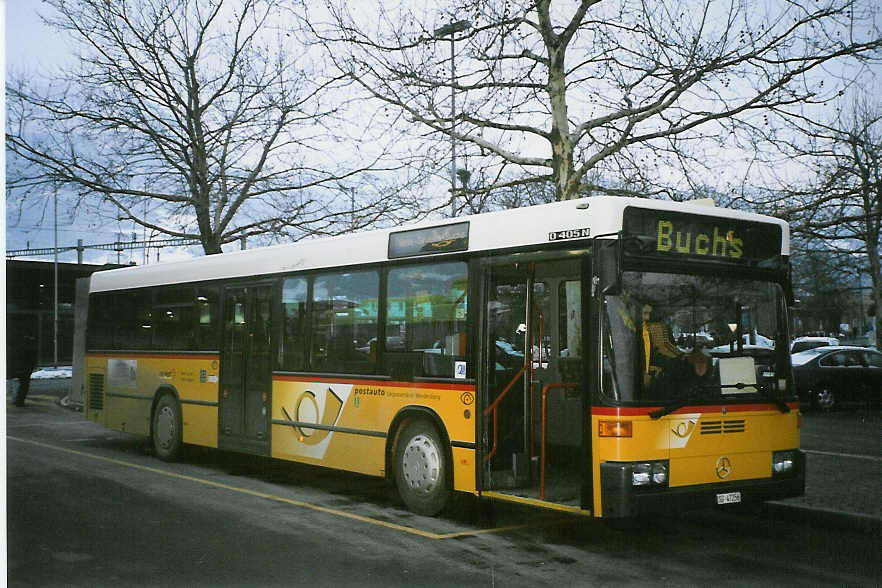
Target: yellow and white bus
{"x":608,"y":356}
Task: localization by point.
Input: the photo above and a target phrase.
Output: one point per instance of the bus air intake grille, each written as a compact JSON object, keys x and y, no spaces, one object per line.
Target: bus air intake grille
{"x":96,"y":391}
{"x":735,"y":426}
{"x":720,"y":427}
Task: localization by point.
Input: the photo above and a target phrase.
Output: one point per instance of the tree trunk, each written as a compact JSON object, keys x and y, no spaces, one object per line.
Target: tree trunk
{"x":876,"y":288}
{"x":561,"y":146}
{"x":211,"y":246}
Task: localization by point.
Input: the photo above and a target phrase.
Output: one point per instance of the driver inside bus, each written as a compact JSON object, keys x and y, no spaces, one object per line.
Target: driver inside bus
{"x":661,"y":358}
{"x":657,"y":350}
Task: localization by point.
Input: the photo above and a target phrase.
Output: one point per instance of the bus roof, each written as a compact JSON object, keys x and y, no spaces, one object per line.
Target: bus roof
{"x":499,"y":230}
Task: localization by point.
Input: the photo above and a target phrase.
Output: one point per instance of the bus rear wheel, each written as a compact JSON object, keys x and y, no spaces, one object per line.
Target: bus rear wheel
{"x":166,"y":429}
{"x":422,"y":469}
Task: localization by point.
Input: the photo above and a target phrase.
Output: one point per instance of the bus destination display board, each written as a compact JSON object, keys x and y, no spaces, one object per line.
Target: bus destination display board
{"x":672,"y":235}
{"x":429,"y":241}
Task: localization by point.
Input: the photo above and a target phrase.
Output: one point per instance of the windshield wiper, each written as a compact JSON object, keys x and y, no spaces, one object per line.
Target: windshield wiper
{"x":690,"y":396}
{"x":763,"y":391}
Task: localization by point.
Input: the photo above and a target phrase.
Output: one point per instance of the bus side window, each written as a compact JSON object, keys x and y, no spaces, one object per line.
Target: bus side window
{"x":134,"y":320}
{"x":292,"y":351}
{"x":208,"y":318}
{"x":426,"y":311}
{"x":174,"y":315}
{"x":99,"y":332}
{"x":570,"y":329}
{"x":344,"y":322}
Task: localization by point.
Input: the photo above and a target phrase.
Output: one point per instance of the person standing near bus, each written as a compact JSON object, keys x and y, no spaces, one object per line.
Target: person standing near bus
{"x":24,"y":360}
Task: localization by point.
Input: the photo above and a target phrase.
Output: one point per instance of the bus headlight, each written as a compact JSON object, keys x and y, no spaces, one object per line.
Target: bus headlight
{"x":660,"y":472}
{"x":782,"y":462}
{"x":649,"y":473}
{"x":640,"y":474}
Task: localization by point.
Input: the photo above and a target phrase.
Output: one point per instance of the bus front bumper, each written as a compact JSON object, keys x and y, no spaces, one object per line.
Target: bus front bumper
{"x":619,"y":499}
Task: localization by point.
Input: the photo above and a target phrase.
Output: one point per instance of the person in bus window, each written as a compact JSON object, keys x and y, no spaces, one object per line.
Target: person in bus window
{"x":661,"y":358}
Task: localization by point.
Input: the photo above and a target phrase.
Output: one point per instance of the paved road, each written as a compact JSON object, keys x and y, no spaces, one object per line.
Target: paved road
{"x":90,"y":507}
{"x":842,"y":447}
{"x":844,"y":470}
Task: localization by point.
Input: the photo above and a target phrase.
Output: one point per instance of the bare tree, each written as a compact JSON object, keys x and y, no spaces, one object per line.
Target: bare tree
{"x":834,"y":199}
{"x":550,"y":92}
{"x":204,"y":109}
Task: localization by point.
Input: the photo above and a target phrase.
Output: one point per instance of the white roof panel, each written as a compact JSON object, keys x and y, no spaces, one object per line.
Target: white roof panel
{"x":506,"y":229}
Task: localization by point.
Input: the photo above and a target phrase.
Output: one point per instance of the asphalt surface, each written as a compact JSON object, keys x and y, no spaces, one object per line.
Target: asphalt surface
{"x":843,"y":454}
{"x":843,"y":472}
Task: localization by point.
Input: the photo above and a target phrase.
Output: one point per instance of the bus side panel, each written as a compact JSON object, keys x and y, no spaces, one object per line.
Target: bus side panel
{"x":354,"y":419}
{"x":94,"y":385}
{"x":464,"y":470}
{"x":115,"y":398}
{"x":196,"y":380}
{"x":131,"y":381}
{"x":200,"y":424}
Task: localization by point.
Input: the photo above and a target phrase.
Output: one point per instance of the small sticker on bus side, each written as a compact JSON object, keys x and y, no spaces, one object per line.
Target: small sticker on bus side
{"x":459,"y":370}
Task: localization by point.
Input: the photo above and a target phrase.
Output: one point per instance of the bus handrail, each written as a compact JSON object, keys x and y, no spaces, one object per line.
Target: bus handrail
{"x":528,"y":365}
{"x":494,"y":406}
{"x":545,"y":390}
{"x":538,"y":366}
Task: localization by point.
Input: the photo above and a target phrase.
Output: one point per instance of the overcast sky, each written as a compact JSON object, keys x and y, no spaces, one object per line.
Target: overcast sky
{"x":28,"y":42}
{"x":34,"y":48}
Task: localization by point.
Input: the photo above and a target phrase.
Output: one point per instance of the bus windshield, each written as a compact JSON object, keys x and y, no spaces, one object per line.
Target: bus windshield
{"x":676,"y":338}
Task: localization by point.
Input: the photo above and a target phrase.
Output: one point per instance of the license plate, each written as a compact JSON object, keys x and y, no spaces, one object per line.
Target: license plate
{"x":729,"y":498}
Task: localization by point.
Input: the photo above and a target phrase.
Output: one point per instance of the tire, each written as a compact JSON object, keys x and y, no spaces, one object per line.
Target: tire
{"x":422,"y":470}
{"x":823,"y":398}
{"x":166,"y":428}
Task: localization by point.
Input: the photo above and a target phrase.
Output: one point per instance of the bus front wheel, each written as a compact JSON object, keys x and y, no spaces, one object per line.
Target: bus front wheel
{"x":166,"y":435}
{"x":421,"y":468}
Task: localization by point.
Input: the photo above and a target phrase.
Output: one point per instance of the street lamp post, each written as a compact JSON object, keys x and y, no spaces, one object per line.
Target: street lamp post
{"x":55,"y":282}
{"x":451,"y":29}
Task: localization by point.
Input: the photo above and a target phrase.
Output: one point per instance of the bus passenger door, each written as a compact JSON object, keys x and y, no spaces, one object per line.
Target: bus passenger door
{"x":533,"y":395}
{"x":246,"y":369}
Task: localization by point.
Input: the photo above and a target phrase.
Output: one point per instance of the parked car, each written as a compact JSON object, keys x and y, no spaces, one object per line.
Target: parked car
{"x":829,"y":375}
{"x":761,"y":346}
{"x":806,"y":343}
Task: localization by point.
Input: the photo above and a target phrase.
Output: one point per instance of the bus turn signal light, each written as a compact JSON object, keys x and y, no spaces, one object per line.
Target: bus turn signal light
{"x":614,"y":429}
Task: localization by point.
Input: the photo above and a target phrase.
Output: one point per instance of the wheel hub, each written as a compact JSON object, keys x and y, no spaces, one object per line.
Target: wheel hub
{"x":165,"y":427}
{"x":421,"y":464}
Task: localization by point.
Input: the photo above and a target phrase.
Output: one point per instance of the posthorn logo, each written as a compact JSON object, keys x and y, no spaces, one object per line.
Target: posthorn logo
{"x":724,"y":467}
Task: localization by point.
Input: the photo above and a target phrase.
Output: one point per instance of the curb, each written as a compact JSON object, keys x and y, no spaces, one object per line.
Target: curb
{"x":824,"y":517}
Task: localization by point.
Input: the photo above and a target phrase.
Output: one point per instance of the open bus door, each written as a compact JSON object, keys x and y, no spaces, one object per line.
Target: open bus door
{"x":535,"y":400}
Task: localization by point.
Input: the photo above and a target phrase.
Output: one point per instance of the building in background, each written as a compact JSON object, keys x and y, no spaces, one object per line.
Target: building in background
{"x":30,"y":305}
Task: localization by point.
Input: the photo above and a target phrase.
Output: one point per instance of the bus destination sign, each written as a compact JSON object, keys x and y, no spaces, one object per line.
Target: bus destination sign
{"x":667,"y":234}
{"x":429,"y":241}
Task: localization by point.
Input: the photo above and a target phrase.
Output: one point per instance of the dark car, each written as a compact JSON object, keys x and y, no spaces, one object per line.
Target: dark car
{"x":827,"y":376}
